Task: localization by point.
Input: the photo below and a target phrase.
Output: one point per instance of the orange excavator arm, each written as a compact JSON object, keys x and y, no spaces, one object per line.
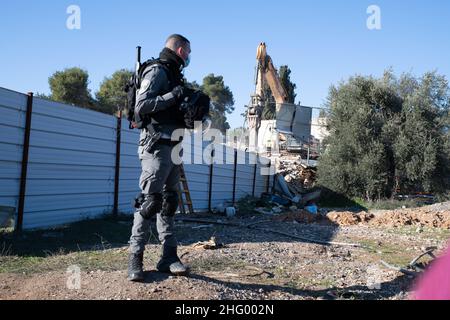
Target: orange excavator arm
{"x":269,"y":74}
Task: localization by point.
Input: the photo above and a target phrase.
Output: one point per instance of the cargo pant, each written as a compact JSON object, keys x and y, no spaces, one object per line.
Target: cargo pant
{"x":159,"y":175}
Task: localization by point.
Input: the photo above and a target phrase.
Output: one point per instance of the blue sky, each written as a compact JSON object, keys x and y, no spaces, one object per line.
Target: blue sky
{"x":323,"y":41}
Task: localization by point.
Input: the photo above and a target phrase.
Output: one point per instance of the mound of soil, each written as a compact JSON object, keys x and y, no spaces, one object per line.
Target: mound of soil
{"x":435,"y":216}
{"x":300,"y":216}
{"x":349,"y":218}
{"x":416,"y":217}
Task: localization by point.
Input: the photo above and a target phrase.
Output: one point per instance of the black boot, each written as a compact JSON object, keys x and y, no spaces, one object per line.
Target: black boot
{"x":135,"y":267}
{"x":170,"y":263}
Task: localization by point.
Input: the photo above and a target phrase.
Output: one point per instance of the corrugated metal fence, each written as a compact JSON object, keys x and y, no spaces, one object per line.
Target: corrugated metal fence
{"x":66,"y":171}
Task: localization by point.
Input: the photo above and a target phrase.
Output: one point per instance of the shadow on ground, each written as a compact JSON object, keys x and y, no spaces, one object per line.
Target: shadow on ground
{"x":385,"y":290}
{"x":88,"y":235}
{"x":113,"y":232}
{"x":359,"y":292}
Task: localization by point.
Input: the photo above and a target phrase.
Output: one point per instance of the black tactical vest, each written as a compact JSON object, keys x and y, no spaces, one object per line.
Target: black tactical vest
{"x":167,"y":121}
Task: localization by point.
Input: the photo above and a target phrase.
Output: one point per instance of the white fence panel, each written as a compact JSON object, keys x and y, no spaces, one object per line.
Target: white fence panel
{"x":12,"y":123}
{"x":71,"y":164}
{"x":130,"y":168}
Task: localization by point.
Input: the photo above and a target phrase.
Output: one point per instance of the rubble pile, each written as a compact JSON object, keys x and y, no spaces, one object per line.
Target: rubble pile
{"x":299,"y":176}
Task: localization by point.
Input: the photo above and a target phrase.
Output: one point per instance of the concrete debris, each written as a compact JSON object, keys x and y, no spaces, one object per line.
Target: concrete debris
{"x":282,"y":188}
{"x":299,"y":176}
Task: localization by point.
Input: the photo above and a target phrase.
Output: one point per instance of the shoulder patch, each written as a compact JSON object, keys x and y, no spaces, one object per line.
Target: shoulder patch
{"x":144,"y":86}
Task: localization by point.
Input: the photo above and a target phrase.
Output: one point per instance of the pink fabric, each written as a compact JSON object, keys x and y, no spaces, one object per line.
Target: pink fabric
{"x":435,"y":284}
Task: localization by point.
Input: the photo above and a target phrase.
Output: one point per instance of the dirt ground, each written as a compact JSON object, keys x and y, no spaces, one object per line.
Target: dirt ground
{"x":251,"y":265}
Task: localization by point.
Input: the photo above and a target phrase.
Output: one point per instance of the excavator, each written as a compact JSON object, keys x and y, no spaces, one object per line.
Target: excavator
{"x":292,"y":123}
{"x":292,"y":120}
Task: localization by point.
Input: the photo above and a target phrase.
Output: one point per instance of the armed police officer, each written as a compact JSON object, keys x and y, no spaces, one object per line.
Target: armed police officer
{"x":159,"y":97}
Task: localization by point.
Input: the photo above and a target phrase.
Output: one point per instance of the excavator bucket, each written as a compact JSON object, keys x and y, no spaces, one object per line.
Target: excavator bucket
{"x":294,"y":120}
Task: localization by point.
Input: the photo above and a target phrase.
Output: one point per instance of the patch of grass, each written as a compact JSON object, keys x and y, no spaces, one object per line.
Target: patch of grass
{"x":427,"y":232}
{"x":296,"y":281}
{"x":392,"y":254}
{"x":15,"y":264}
{"x":331,"y":199}
{"x":323,"y":283}
{"x":99,"y":234}
{"x":391,"y":204}
{"x":108,"y":260}
{"x":90,"y":244}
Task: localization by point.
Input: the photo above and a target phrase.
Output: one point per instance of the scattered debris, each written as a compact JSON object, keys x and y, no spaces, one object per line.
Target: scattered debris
{"x":428,"y":252}
{"x":277,"y":200}
{"x":212,"y":244}
{"x":313,"y":209}
{"x":282,"y":188}
{"x":265,"y":259}
{"x":325,"y":243}
{"x":251,"y":226}
{"x":399,"y":269}
{"x":230,"y":212}
{"x":414,"y":267}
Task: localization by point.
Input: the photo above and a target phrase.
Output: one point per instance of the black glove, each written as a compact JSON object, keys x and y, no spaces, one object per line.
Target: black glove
{"x":179,"y":92}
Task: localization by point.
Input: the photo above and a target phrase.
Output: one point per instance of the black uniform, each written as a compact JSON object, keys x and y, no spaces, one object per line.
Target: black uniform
{"x":158,"y":106}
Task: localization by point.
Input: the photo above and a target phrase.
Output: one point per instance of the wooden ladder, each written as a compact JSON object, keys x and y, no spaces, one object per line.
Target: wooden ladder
{"x":184,"y":196}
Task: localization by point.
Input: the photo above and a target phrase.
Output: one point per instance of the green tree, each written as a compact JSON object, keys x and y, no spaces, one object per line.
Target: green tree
{"x":221,"y":98}
{"x":387,"y":130}
{"x":111,"y":94}
{"x":71,"y":86}
{"x":269,"y":108}
{"x":288,"y":85}
{"x":421,"y":147}
{"x":43,"y":96}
